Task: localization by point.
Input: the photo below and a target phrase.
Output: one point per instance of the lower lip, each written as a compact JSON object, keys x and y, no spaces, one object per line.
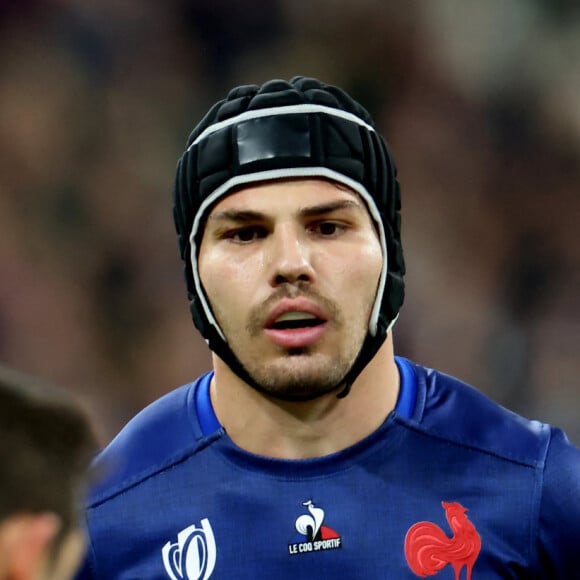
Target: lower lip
{"x":296,"y":337}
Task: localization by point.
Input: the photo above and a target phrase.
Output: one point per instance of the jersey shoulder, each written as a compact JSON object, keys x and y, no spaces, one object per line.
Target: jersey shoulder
{"x":161,"y":435}
{"x":457,"y":412}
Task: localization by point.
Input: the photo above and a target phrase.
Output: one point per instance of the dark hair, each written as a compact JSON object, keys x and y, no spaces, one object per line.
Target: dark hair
{"x":46,"y":445}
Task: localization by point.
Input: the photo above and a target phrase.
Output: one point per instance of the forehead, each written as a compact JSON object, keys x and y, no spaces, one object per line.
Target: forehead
{"x":286,"y":195}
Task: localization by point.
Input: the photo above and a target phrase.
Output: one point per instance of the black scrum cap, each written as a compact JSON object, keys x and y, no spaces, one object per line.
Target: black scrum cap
{"x":300,"y":128}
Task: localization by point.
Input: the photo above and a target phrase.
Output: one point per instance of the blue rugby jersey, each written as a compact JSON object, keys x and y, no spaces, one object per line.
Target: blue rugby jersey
{"x":451,"y":486}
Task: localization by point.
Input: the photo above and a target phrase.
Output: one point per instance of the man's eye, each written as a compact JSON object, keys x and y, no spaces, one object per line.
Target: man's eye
{"x":245,"y":235}
{"x":328,"y":228}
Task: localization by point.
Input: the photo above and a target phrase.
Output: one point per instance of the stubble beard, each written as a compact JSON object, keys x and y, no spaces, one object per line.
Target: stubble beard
{"x":298,"y":374}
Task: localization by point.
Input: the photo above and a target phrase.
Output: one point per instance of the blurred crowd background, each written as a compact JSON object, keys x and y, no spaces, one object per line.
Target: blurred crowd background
{"x":478,"y":100}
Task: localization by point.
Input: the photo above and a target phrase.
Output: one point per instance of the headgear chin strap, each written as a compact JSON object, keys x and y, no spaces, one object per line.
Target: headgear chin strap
{"x":280,"y":130}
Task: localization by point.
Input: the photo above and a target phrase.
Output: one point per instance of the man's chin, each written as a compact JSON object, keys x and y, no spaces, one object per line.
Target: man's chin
{"x":298,"y":385}
{"x":301,"y":394}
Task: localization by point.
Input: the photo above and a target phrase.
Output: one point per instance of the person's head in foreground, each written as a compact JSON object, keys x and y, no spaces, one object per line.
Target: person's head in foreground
{"x":46,"y":444}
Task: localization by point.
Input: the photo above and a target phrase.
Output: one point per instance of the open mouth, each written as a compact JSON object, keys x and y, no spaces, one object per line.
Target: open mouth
{"x":294,"y":320}
{"x":296,"y":330}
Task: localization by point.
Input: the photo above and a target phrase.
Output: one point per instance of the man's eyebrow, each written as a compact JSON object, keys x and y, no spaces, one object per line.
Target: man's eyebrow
{"x":237,"y":215}
{"x":325,"y":208}
{"x":245,"y":215}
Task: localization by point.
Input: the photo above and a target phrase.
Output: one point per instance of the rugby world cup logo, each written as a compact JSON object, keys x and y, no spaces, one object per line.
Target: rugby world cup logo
{"x":193,"y":556}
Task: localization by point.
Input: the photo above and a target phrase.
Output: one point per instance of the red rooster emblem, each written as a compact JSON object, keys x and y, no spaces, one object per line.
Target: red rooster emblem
{"x":428,"y":549}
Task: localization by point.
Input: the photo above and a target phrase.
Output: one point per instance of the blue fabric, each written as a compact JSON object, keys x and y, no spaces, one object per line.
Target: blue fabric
{"x":408,"y":388}
{"x":207,"y":418}
{"x":459,"y":483}
{"x":405,"y":403}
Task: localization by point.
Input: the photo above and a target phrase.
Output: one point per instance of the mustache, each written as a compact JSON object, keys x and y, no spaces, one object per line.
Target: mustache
{"x":259,"y":314}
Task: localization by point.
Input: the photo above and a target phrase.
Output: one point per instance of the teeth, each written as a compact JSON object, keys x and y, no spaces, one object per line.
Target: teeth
{"x":295,"y":316}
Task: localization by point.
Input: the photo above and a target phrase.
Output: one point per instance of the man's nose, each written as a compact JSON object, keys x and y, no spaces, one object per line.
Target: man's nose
{"x":290,"y":258}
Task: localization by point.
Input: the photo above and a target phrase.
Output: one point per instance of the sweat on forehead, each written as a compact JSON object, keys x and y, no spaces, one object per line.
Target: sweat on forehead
{"x":324,"y":196}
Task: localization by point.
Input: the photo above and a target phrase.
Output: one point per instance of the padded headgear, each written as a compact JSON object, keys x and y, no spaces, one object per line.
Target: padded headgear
{"x":300,"y":128}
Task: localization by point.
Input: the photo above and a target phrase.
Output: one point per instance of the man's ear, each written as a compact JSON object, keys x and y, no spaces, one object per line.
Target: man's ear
{"x":25,"y":540}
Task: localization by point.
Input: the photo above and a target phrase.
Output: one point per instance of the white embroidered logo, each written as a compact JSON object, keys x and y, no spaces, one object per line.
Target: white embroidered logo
{"x":193,"y":556}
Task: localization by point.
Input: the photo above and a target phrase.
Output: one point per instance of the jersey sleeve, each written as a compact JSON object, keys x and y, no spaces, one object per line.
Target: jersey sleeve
{"x":559,"y":515}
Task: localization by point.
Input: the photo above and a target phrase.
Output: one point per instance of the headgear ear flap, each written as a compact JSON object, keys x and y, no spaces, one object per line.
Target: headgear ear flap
{"x":300,"y":128}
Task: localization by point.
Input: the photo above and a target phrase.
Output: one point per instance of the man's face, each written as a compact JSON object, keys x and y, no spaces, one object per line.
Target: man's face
{"x":291,"y":271}
{"x":28,"y":549}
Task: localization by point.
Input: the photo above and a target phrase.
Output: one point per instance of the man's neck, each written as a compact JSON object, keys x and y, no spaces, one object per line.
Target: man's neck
{"x":297,"y":430}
